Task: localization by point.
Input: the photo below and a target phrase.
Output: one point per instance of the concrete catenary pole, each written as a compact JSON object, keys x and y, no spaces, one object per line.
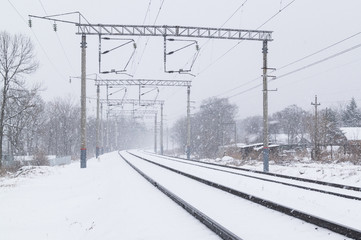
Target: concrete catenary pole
{"x":83,"y":104}
{"x":265,"y":110}
{"x":101,"y":129}
{"x":161,"y":129}
{"x":97,"y":147}
{"x":316,"y":104}
{"x":188,"y":150}
{"x":155,"y":133}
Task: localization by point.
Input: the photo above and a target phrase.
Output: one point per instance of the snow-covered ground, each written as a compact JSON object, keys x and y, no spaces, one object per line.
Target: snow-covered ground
{"x":345,"y":173}
{"x":109,"y":200}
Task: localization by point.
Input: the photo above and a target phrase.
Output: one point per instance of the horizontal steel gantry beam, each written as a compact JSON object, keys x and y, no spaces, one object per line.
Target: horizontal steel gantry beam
{"x":142,"y":82}
{"x":117,"y":102}
{"x":173,"y":31}
{"x":133,"y":112}
{"x":163,"y":31}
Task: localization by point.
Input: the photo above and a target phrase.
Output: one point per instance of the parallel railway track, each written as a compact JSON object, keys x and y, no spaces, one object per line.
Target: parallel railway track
{"x":335,"y":227}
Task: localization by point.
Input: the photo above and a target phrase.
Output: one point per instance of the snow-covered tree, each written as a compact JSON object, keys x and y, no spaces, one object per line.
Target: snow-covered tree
{"x":351,"y":116}
{"x":16,"y":61}
{"x":329,"y":131}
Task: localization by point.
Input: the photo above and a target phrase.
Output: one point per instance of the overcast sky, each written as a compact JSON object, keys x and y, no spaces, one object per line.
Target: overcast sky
{"x":300,"y":29}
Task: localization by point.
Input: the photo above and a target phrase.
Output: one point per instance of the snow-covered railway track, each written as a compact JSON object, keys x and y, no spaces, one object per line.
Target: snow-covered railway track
{"x":339,"y":190}
{"x":209,"y":222}
{"x":345,"y":230}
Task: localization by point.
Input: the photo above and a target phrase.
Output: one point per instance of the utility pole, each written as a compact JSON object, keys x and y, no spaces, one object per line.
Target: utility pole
{"x":116,"y":132}
{"x":83,"y":104}
{"x":235,"y":134}
{"x":97,"y":148}
{"x":155,"y":133}
{"x":161,"y":129}
{"x":176,"y":31}
{"x":265,"y":110}
{"x":101,"y":129}
{"x":316,"y":128}
{"x":188,"y":150}
{"x":107,"y":144}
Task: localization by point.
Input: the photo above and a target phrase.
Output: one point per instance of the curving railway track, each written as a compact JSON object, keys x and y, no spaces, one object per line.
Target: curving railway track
{"x":255,"y":188}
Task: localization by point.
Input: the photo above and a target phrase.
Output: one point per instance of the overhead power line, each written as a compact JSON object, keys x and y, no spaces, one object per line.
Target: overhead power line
{"x":318,"y":62}
{"x":232,"y":48}
{"x":62,"y":76}
{"x":301,"y":68}
{"x":59,"y":40}
{"x":319,"y":51}
{"x":146,"y":43}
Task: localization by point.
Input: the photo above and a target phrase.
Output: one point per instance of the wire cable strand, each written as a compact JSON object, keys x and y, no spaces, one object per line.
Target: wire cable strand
{"x":146,"y":43}
{"x":232,"y":48}
{"x":62,"y":76}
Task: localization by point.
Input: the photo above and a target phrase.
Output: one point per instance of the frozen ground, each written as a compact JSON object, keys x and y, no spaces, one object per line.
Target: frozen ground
{"x":344,"y":173}
{"x":108,"y":200}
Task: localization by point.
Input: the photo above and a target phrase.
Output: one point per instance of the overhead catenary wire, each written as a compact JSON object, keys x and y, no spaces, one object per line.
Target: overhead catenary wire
{"x":59,"y":40}
{"x":229,"y":18}
{"x":319,"y":51}
{"x":146,"y":43}
{"x":301,"y":68}
{"x":61,"y":75}
{"x":193,"y":59}
{"x":290,"y":64}
{"x":232,"y":48}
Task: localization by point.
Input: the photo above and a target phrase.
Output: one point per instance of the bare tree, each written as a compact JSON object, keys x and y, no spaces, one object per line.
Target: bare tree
{"x":16,"y":60}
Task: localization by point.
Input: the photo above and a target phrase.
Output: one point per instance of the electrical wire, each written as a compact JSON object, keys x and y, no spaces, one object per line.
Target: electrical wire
{"x":301,"y":68}
{"x":232,"y":48}
{"x":318,"y":62}
{"x":62,"y":76}
{"x":146,"y":43}
{"x":60,"y":43}
{"x":209,"y":39}
{"x":193,"y":59}
{"x":319,"y":51}
{"x":138,"y":39}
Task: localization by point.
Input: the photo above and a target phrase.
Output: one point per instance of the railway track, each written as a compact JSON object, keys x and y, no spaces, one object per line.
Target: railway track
{"x":207,"y":221}
{"x":324,"y":223}
{"x":276,"y":178}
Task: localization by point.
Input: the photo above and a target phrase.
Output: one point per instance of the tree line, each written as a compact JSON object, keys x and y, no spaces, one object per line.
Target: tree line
{"x":214,"y":125}
{"x":31,"y":126}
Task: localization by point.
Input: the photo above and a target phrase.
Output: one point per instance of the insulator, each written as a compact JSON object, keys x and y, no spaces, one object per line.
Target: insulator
{"x":134,"y":45}
{"x":55,"y":27}
{"x":30,"y":23}
{"x":197,"y":47}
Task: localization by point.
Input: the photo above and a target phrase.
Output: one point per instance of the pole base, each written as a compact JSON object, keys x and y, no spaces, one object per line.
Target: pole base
{"x":97,"y":152}
{"x":83,"y":158}
{"x":265,"y":159}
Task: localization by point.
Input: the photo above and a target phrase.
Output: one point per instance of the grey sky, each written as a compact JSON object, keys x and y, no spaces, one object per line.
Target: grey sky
{"x":299,"y":30}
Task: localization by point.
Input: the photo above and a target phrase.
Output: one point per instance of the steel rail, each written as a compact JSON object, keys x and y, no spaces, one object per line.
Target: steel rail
{"x":332,"y":226}
{"x":207,"y":221}
{"x":262,"y":179}
{"x":336,"y":185}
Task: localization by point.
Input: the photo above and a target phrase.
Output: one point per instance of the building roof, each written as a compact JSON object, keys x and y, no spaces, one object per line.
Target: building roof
{"x":352,"y":133}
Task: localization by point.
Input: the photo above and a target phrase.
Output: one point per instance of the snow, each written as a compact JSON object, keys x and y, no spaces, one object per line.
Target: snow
{"x":352,"y":133}
{"x":243,"y":217}
{"x":109,"y":200}
{"x":345,"y":173}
